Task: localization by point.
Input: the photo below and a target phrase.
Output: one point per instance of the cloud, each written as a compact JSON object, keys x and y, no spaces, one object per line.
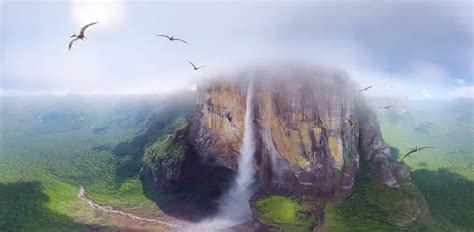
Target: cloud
{"x":459,"y":81}
{"x":399,"y":48}
{"x":465,"y":91}
{"x":109,"y":13}
{"x":429,"y":72}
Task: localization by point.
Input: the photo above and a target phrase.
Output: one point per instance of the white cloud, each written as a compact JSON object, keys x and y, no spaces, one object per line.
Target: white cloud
{"x":109,"y":13}
{"x":465,"y":91}
{"x":397,"y":60}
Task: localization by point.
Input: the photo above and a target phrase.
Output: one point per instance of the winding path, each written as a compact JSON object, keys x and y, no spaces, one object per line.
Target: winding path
{"x":108,"y":209}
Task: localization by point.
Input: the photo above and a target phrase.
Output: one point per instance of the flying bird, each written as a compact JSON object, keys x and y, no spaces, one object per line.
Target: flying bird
{"x":194,"y":66}
{"x":416,"y":149}
{"x":386,"y":107}
{"x":81,"y":35}
{"x":320,"y":123}
{"x":365,"y":89}
{"x":352,"y":124}
{"x":172,"y":38}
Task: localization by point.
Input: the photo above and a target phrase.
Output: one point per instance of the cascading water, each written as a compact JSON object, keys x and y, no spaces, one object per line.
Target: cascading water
{"x":234,"y":207}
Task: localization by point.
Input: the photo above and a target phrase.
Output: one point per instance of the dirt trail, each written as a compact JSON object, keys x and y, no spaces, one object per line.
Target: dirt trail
{"x":108,"y":209}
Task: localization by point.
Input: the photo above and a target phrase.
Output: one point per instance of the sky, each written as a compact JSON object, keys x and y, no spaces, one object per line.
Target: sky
{"x":414,"y":49}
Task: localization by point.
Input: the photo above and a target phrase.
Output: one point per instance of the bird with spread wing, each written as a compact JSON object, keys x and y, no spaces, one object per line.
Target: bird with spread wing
{"x":386,"y":107}
{"x":81,"y":35}
{"x":172,"y":38}
{"x":352,"y":124}
{"x":196,"y":67}
{"x":416,"y":149}
{"x":366,"y":88}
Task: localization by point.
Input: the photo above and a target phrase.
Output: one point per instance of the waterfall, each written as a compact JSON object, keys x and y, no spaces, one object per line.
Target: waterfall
{"x":234,"y":206}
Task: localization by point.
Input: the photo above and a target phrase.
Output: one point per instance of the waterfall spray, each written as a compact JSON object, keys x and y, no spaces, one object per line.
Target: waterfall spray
{"x":234,"y":205}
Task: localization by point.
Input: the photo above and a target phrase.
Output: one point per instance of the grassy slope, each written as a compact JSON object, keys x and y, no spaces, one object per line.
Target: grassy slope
{"x":444,"y":175}
{"x":371,"y":207}
{"x":31,"y":196}
{"x":282,"y":212}
{"x":47,"y":160}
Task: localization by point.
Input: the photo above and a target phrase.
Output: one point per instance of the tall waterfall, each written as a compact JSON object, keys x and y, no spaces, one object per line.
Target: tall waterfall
{"x":234,"y":205}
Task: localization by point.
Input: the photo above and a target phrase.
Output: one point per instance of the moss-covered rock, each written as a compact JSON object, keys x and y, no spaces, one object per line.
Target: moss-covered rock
{"x":169,"y":148}
{"x":281,"y":213}
{"x":164,"y":158}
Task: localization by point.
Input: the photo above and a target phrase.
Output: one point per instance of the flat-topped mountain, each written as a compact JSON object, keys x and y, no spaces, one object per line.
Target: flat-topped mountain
{"x":313,"y":134}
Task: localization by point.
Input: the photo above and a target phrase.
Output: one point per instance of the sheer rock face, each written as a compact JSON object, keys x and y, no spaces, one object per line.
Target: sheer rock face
{"x":305,"y":144}
{"x":216,"y":130}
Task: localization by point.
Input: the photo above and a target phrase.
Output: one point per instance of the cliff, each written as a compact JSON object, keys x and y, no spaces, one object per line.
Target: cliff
{"x":306,"y":144}
{"x":306,"y":147}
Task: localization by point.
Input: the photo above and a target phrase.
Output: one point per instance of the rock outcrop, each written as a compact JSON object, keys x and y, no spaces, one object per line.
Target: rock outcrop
{"x":313,"y":130}
{"x":306,"y":144}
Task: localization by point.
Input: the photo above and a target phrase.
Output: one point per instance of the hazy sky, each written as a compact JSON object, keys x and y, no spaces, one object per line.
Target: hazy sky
{"x":418,"y":49}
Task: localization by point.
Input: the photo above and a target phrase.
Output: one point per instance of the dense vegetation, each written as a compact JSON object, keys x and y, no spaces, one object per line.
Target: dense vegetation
{"x":97,"y":142}
{"x":375,"y":207}
{"x":28,"y":206}
{"x":100,"y":143}
{"x":165,"y":150}
{"x":444,"y":175}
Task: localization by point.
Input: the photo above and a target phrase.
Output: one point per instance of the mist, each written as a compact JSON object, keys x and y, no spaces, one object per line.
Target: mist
{"x":237,"y":115}
{"x":405,"y":45}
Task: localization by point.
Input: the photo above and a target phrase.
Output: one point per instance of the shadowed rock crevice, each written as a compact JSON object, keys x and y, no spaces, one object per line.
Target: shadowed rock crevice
{"x":178,"y":180}
{"x":195,"y":198}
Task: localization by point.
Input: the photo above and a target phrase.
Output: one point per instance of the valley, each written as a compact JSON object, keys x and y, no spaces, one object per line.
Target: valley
{"x":43,"y":166}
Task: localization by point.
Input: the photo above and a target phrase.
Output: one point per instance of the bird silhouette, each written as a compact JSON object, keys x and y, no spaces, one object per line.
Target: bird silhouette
{"x":386,"y":107}
{"x":416,"y":149}
{"x":172,"y":38}
{"x":352,"y":124}
{"x":81,"y":35}
{"x":365,"y":89}
{"x":194,"y":66}
{"x":320,"y":123}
